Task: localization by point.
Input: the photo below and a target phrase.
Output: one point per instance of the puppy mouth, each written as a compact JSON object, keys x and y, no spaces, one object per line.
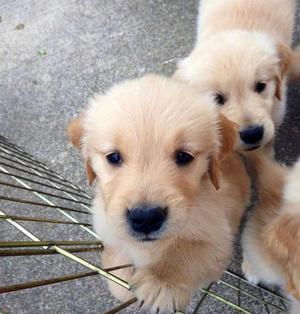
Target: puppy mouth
{"x":145,"y":237}
{"x":248,"y":149}
{"x":148,"y":238}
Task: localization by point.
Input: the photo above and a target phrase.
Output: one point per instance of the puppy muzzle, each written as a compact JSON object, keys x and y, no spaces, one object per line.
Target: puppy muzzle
{"x":146,"y":221}
{"x":252,"y":137}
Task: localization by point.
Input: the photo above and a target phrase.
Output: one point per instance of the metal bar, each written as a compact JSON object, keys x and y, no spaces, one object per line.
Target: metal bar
{"x":101,"y":271}
{"x":197,"y":308}
{"x":42,"y":184}
{"x":17,"y":200}
{"x":36,"y":175}
{"x":9,"y":152}
{"x":16,"y":150}
{"x":224,"y":301}
{"x":265,"y":303}
{"x":14,"y":244}
{"x":65,"y":253}
{"x":44,"y":165}
{"x":38,"y":219}
{"x":239,"y":293}
{"x":28,"y":252}
{"x":283,"y":305}
{"x":20,"y":153}
{"x":250,"y":295}
{"x":256,"y":286}
{"x":44,"y":282}
{"x":116,"y":267}
{"x":38,"y":283}
{"x":47,"y":201}
{"x":73,"y":197}
{"x":29,"y":166}
{"x":121,"y":306}
{"x":42,"y":192}
{"x":53,"y":184}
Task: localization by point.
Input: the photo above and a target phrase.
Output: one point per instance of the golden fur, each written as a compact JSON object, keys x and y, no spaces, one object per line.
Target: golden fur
{"x":272,"y":235}
{"x":148,"y":120}
{"x":240,"y":43}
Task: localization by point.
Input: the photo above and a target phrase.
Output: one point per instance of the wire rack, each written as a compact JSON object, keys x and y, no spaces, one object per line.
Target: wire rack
{"x":42,"y":214}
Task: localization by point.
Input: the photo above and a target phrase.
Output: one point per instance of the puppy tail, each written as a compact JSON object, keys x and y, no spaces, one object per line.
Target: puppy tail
{"x":294,"y":70}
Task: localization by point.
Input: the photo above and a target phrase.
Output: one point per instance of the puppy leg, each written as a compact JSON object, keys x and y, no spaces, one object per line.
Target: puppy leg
{"x":168,"y":284}
{"x":281,"y":238}
{"x":112,"y":257}
{"x":250,"y":250}
{"x":258,"y":265}
{"x":248,"y":271}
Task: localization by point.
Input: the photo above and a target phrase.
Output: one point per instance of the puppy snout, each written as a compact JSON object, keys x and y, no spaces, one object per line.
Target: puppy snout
{"x":146,"y":218}
{"x":252,"y":135}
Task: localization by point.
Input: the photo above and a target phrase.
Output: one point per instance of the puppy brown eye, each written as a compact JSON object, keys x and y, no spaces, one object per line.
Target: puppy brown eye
{"x":183,"y":158}
{"x":220,"y":99}
{"x":260,"y":87}
{"x":114,"y":158}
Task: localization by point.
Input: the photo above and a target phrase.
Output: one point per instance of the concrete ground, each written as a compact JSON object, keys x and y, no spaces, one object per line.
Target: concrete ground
{"x":55,"y":54}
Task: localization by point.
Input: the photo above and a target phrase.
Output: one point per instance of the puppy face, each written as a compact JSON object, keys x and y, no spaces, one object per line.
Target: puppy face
{"x":244,"y":74}
{"x":152,"y":144}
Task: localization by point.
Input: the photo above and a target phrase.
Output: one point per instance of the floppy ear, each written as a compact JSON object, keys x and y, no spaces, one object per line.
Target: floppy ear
{"x":91,"y":176}
{"x":228,"y":138}
{"x":214,"y":172}
{"x":75,"y":133}
{"x":285,"y":56}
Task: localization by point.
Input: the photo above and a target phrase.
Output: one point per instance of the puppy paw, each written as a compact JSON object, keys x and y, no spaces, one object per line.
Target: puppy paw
{"x":157,"y":295}
{"x":249,"y":273}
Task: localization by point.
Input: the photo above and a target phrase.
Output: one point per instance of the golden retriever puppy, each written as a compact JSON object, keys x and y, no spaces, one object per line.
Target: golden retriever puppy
{"x":242,"y":57}
{"x":169,"y":190}
{"x":272,"y":236}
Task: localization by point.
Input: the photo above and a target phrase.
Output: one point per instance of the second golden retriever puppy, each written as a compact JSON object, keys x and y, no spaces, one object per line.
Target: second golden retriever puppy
{"x":242,"y":57}
{"x":169,"y":190}
{"x":272,"y":236}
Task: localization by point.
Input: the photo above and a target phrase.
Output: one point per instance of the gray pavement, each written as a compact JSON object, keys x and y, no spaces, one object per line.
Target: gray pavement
{"x":53,"y":56}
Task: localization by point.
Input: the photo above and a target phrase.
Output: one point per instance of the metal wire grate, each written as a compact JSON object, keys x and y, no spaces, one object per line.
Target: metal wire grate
{"x":41,"y":213}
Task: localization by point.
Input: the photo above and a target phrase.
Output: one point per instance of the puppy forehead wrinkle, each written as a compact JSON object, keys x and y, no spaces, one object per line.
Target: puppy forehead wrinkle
{"x":228,"y":56}
{"x":149,"y":111}
{"x":237,"y":42}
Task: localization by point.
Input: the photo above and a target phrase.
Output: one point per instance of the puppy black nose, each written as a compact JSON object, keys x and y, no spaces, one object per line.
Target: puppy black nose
{"x":146,"y":219}
{"x":252,"y":135}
